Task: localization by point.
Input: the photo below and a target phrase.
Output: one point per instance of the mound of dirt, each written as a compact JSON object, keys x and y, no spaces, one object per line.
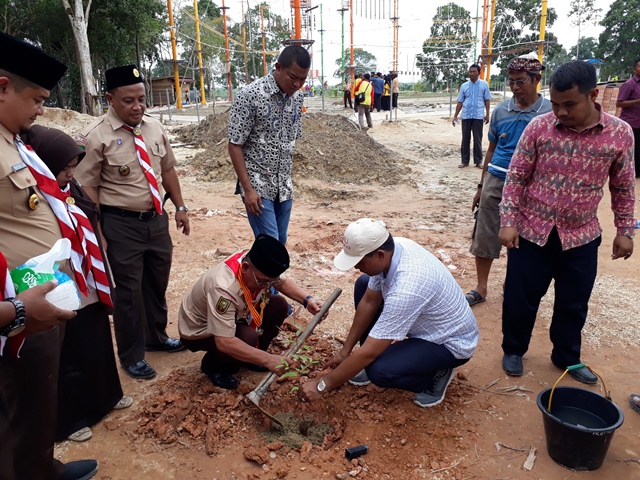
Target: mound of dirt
{"x":332,"y":149}
{"x":68,"y":121}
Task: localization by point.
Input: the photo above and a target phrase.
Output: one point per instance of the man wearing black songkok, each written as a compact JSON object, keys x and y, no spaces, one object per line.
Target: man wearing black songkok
{"x":231,"y":314}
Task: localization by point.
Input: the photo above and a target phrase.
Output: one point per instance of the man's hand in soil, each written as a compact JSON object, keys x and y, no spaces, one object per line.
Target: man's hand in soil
{"x":276,"y":364}
{"x":42,"y":315}
{"x":308,"y":392}
{"x":253,"y":202}
{"x":509,"y":237}
{"x":622,"y":247}
{"x":337,"y":358}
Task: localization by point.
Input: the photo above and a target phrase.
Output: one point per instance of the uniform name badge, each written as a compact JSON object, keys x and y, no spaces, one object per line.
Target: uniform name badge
{"x":124,"y":170}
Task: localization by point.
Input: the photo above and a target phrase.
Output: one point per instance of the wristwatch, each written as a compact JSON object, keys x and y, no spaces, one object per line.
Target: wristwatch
{"x":183,"y":208}
{"x":19,"y":323}
{"x":321,"y":386}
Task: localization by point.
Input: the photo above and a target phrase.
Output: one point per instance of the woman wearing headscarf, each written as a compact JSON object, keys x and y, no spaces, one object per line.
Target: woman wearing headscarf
{"x":88,"y":383}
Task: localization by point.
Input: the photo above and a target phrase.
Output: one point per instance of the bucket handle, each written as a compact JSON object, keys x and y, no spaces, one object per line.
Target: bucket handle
{"x":607,"y":394}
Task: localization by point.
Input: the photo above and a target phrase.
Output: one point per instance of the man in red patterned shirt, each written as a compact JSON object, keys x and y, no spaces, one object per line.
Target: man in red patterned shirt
{"x":548,"y":215}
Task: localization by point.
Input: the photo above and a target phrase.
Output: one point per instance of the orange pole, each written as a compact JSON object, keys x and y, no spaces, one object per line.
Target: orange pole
{"x":226,"y":44}
{"x":490,"y":47}
{"x":351,"y":56}
{"x":485,"y":18}
{"x":176,"y":75}
{"x":203,"y":99}
{"x":298,"y":19}
{"x":264,"y":53}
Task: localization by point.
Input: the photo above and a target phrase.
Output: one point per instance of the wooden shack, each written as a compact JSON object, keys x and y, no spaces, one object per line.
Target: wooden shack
{"x":160,"y":86}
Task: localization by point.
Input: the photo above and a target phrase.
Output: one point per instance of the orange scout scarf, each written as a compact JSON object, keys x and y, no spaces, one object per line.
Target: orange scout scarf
{"x":235,"y":263}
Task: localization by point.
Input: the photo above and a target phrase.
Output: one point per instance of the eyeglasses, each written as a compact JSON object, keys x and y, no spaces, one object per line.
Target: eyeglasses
{"x":263,"y":283}
{"x":520,"y":82}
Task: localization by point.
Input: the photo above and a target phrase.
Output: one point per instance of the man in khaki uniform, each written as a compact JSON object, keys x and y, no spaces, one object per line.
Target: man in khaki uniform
{"x":128,"y":161}
{"x":28,"y":227}
{"x":230,"y":314}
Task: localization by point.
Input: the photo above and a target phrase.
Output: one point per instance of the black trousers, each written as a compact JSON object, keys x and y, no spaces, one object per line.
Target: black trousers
{"x":139,"y":252}
{"x":377,"y":101}
{"x":469,"y":127}
{"x":636,"y":136}
{"x":88,"y":383}
{"x":28,"y":402}
{"x":530,"y":269}
{"x":347,"y":98}
{"x":394,"y":100}
{"x":214,"y":361}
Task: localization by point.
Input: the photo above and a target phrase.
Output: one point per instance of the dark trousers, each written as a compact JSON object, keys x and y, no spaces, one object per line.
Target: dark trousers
{"x":469,"y":127}
{"x":636,"y":136}
{"x":28,"y":401}
{"x":377,"y":101}
{"x":347,"y":97}
{"x":410,"y":364}
{"x":530,"y":269}
{"x":139,"y":252}
{"x":394,"y":100}
{"x":214,"y":361}
{"x":88,"y":383}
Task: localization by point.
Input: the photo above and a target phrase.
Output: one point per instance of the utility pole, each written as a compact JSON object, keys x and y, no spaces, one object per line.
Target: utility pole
{"x":345,"y":7}
{"x":203,"y":100}
{"x":321,"y":59}
{"x":176,"y":75}
{"x":264,"y":54}
{"x":244,"y":44}
{"x":226,"y":44}
{"x":395,"y":35}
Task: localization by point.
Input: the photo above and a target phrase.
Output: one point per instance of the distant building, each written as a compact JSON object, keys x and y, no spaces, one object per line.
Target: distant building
{"x":160,"y":86}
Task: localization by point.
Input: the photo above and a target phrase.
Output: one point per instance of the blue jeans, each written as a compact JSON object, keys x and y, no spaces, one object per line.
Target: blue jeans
{"x":274,"y":219}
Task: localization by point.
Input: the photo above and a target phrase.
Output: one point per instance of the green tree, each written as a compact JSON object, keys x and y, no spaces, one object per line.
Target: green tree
{"x":583,"y":12}
{"x":619,"y":43}
{"x":364,"y":62}
{"x":447,"y":51}
{"x":585,"y":49}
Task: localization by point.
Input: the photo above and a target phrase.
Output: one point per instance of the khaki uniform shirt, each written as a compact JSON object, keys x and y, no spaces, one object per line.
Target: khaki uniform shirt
{"x":213,"y":306}
{"x":24,"y":233}
{"x":111,"y":164}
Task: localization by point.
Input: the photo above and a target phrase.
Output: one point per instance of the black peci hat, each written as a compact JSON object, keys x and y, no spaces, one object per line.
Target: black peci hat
{"x":29,"y":62}
{"x":269,"y":256}
{"x":122,"y":76}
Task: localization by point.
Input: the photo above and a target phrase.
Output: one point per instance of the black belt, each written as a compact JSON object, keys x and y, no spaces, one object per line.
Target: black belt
{"x":144,"y":215}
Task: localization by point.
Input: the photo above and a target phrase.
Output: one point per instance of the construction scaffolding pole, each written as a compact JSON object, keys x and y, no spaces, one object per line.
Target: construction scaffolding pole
{"x":297,"y":20}
{"x":176,"y":74}
{"x":351,"y":55}
{"x":264,"y":52}
{"x":490,"y":46}
{"x":203,"y":100}
{"x":226,"y":44}
{"x":395,"y":35}
{"x":342,"y":10}
{"x":483,"y":50}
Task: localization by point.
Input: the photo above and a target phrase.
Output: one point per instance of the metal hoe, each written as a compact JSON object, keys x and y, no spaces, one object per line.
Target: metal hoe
{"x":257,"y":393}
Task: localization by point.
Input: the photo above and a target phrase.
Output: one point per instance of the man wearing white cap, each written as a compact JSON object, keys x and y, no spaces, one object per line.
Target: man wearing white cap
{"x":412,"y":320}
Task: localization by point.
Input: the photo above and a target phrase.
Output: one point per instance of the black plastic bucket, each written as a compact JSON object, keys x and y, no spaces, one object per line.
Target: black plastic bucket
{"x":579,"y":427}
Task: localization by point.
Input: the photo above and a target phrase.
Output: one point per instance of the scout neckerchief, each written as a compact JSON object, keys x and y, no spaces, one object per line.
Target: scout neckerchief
{"x":145,"y":163}
{"x":86,"y":259}
{"x":235,"y":264}
{"x":14,"y":343}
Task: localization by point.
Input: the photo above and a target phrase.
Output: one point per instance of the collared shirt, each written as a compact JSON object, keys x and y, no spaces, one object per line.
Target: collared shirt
{"x":630,"y":90}
{"x":378,"y":85}
{"x":111,"y":163}
{"x":24,"y":233}
{"x":557,"y":175}
{"x":422,"y":300}
{"x":507,"y":124}
{"x":472,"y":96}
{"x":267,"y":123}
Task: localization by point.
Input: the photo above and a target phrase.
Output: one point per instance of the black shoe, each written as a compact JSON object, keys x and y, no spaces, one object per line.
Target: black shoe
{"x":255,"y":367}
{"x":171,"y":345}
{"x":140,"y":370}
{"x":79,"y":470}
{"x":512,"y":365}
{"x":582,"y":375}
{"x":224,"y":380}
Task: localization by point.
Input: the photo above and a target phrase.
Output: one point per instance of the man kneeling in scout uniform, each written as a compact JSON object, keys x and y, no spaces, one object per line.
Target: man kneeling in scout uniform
{"x":231,"y":314}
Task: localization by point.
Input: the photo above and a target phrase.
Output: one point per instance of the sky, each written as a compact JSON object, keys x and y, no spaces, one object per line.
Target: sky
{"x":376,"y":35}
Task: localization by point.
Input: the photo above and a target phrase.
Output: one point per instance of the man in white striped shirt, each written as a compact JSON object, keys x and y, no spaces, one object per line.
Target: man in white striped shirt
{"x":412,"y":320}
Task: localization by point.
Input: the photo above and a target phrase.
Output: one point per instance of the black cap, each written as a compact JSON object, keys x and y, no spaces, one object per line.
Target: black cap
{"x":269,"y":256}
{"x":29,"y":62}
{"x":122,"y":76}
{"x":54,"y":147}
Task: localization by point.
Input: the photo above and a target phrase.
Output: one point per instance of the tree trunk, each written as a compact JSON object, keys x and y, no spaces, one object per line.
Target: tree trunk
{"x":90,"y":99}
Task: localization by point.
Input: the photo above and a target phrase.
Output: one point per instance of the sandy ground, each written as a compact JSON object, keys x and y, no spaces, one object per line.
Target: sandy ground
{"x":180,"y":427}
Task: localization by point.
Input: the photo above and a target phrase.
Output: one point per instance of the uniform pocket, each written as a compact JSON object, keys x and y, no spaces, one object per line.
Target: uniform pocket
{"x":21,"y":193}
